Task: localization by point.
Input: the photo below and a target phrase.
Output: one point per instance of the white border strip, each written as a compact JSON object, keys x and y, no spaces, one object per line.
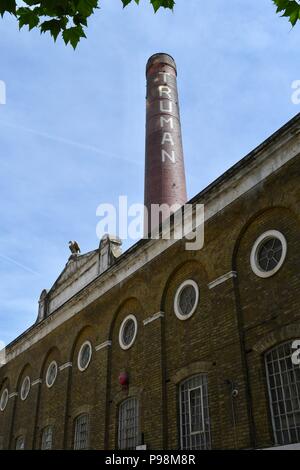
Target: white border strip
{"x":156,"y":316}
{"x":222,"y":279}
{"x":106,"y":344}
{"x":64,"y":366}
{"x":35,"y":382}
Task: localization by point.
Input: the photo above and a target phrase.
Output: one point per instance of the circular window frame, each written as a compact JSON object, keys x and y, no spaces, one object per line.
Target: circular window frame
{"x":2,"y":407}
{"x":23,"y":397}
{"x":82,"y":369}
{"x":47,"y":374}
{"x":255,"y":250}
{"x":177,"y":310}
{"x":121,"y":331}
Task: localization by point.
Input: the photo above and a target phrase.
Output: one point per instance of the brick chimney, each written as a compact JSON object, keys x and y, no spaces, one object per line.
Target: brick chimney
{"x":164,"y":165}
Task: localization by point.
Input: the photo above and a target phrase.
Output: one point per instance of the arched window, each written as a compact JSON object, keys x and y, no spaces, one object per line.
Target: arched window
{"x":81,"y":434}
{"x":20,"y":443}
{"x":194,"y":414}
{"x":47,"y":438}
{"x":128,"y":436}
{"x":284,"y":393}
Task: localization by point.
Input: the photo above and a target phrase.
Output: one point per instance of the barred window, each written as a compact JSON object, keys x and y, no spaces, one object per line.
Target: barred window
{"x":129,"y":424}
{"x":20,"y":443}
{"x":47,"y":437}
{"x":81,"y":436}
{"x":284,"y":393}
{"x":194,"y":414}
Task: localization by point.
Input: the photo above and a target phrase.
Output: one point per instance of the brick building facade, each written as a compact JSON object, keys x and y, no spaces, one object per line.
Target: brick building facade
{"x":201,"y":340}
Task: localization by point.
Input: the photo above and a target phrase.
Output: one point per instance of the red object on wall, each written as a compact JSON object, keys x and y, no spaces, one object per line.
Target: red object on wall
{"x":123,"y":379}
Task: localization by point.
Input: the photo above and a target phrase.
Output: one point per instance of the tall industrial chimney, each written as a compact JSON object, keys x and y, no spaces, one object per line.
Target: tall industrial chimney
{"x":164,"y":165}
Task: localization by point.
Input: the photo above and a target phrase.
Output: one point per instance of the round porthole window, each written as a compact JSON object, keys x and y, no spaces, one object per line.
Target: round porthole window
{"x":186,"y":299}
{"x":128,"y":331}
{"x":84,"y":356}
{"x":51,"y":374}
{"x":4,"y":399}
{"x":25,"y":388}
{"x":268,"y":253}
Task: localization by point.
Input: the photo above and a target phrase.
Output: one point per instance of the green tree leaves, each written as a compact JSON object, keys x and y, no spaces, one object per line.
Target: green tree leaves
{"x":68,"y":18}
{"x":290,"y":9}
{"x":62,"y":17}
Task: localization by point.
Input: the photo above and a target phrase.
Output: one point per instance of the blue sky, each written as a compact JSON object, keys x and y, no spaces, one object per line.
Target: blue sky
{"x":72,"y":131}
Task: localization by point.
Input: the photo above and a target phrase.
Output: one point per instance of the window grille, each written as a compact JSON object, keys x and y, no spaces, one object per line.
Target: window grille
{"x":20,"y":443}
{"x":284,"y":393}
{"x":81,"y":436}
{"x":128,"y":424}
{"x":194,"y":414}
{"x":47,"y":437}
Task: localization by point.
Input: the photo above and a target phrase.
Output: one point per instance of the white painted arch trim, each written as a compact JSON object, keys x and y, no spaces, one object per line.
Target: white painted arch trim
{"x":178,"y":313}
{"x":127,"y":346}
{"x":255,"y":249}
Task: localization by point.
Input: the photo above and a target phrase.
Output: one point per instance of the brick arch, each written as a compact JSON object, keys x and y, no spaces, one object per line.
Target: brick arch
{"x":199,"y":367}
{"x":83,"y":409}
{"x":5,"y":383}
{"x":254,"y":217}
{"x":133,"y":283}
{"x":26,"y":370}
{"x":79,"y":336}
{"x":274,"y":338}
{"x":181,"y":266}
{"x":19,"y":432}
{"x":132,"y":391}
{"x":119,"y":311}
{"x":55,"y":352}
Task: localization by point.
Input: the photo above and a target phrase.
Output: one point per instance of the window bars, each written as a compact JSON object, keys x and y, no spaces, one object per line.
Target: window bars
{"x":284,"y":393}
{"x":128,"y":436}
{"x":81,"y":436}
{"x":194,"y":414}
